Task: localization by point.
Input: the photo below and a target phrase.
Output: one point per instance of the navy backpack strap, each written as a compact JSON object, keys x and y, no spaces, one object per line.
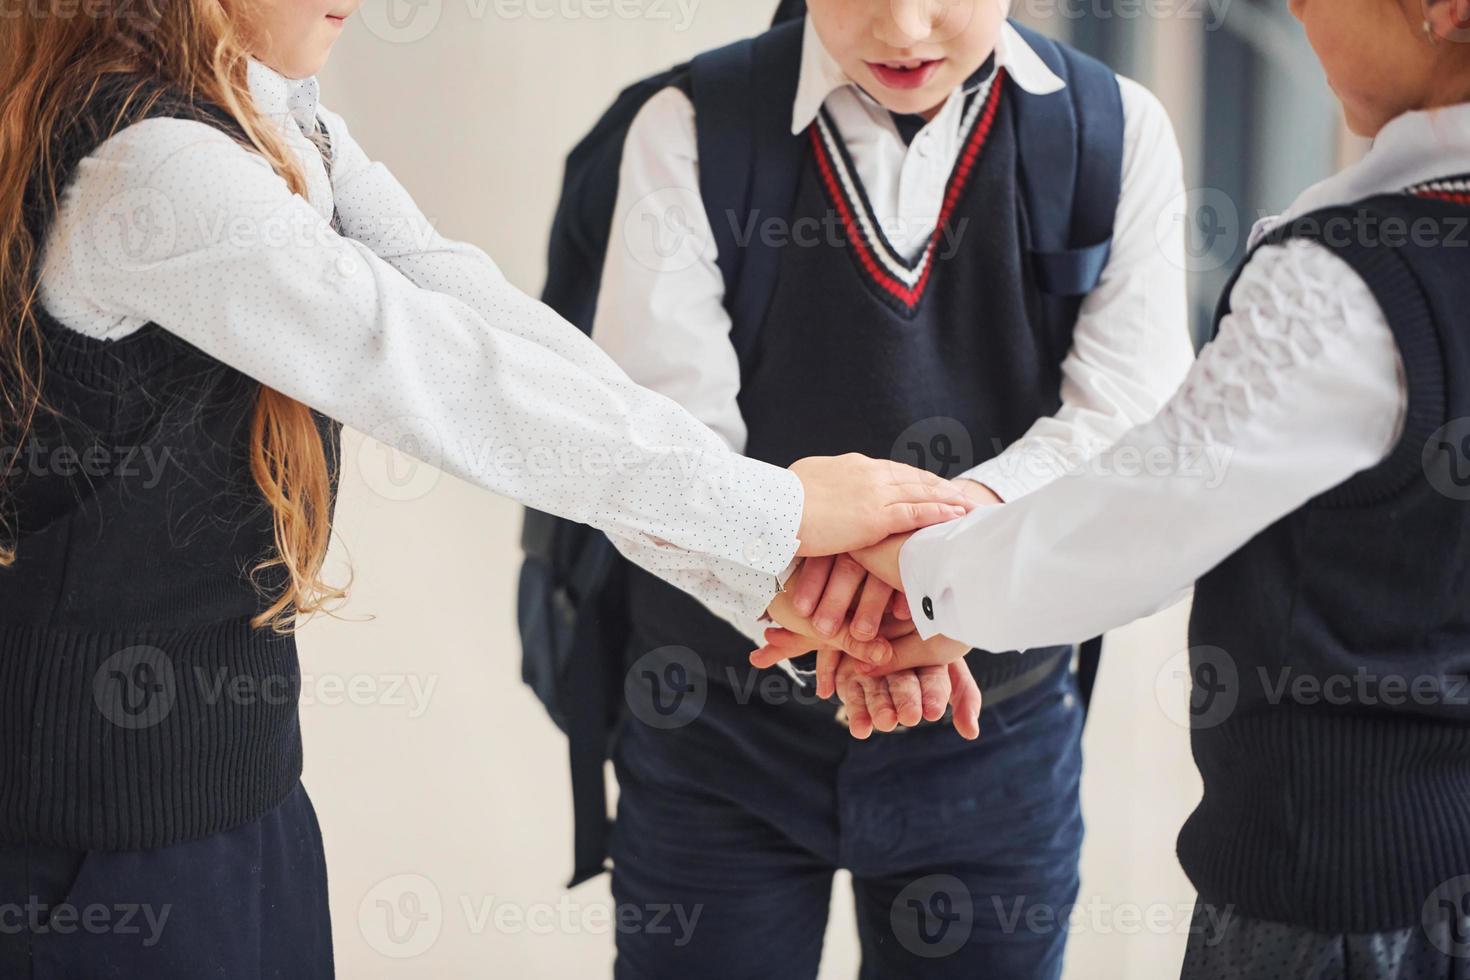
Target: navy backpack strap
{"x":1071,"y":168}
{"x":749,"y":165}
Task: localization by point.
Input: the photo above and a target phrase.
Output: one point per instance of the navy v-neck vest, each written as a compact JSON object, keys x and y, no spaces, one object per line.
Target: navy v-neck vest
{"x":938,"y":360}
{"x":138,"y":706}
{"x":1331,"y":654}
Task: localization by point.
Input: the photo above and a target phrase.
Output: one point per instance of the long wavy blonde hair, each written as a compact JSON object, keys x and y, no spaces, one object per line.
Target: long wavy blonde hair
{"x":54,"y":58}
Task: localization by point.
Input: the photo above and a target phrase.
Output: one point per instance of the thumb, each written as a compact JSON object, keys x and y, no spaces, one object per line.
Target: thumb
{"x":966,"y":700}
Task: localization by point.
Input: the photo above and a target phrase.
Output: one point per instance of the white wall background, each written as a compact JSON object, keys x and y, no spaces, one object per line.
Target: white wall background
{"x":441,"y":787}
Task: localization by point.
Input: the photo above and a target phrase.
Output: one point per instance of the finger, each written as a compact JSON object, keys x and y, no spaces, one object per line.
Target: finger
{"x":868,"y":617}
{"x":906,"y":516}
{"x":871,"y":653}
{"x":880,"y":705}
{"x":907,"y":696}
{"x":865,"y":652}
{"x":921,"y":485}
{"x":901,"y":608}
{"x":910,"y":652}
{"x":827,"y":660}
{"x":811,"y":582}
{"x":966,"y":699}
{"x":842,"y":587}
{"x":936,"y":690}
{"x":855,"y":698}
{"x":781,"y":644}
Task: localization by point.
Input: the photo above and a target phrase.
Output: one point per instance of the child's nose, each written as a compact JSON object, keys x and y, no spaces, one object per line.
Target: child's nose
{"x":911,"y":21}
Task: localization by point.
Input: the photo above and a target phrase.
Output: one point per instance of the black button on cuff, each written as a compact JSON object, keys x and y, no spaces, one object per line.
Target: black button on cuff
{"x":928,"y":607}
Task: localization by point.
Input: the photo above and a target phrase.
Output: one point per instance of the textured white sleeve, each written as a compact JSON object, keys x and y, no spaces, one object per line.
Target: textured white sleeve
{"x":1302,"y":388}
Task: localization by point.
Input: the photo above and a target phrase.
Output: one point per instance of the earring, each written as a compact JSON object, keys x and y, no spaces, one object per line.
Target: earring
{"x":1428,"y":30}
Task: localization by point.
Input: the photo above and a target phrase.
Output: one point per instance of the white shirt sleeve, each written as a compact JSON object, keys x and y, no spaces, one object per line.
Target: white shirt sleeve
{"x":171,"y":221}
{"x":660,"y":310}
{"x":1302,"y":388}
{"x":1130,"y":346}
{"x":376,"y":210}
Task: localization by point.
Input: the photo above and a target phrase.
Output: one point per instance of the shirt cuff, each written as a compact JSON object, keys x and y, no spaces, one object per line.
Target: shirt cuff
{"x":766,"y":503}
{"x":931,"y":600}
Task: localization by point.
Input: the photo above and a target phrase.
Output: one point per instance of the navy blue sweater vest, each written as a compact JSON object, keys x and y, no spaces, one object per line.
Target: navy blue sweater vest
{"x":138,"y":707}
{"x":854,"y":357}
{"x":1331,"y":653}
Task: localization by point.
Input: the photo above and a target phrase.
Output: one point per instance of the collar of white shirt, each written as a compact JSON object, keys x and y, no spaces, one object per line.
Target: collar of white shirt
{"x":1412,"y":149}
{"x":821,"y":75}
{"x":277,"y":96}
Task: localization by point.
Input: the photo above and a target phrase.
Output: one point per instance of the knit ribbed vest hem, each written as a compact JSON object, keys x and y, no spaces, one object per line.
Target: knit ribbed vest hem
{"x":1335,"y":822}
{"x":138,"y":739}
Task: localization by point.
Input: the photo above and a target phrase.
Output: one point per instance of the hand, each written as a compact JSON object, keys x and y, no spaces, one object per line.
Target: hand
{"x":825,"y":588}
{"x":907,"y":697}
{"x":852,"y":502}
{"x":800,"y":636}
{"x":795,"y":636}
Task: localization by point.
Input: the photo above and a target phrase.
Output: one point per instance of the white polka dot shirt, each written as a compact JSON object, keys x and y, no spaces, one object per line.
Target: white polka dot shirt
{"x":393,"y":330}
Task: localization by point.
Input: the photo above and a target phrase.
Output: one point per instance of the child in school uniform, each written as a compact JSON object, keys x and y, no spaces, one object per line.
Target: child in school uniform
{"x":202,"y":276}
{"x":905,"y":312}
{"x":1328,"y":640}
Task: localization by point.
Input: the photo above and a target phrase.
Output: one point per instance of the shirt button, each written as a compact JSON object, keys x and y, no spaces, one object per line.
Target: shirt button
{"x":755,"y":551}
{"x":928,"y":607}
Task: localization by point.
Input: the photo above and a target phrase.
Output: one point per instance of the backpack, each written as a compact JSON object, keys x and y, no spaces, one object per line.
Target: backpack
{"x":570,"y":603}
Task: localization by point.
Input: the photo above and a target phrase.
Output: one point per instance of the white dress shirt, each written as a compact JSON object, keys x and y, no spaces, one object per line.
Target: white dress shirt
{"x":396,"y":331}
{"x":1302,"y":388}
{"x":661,"y":316}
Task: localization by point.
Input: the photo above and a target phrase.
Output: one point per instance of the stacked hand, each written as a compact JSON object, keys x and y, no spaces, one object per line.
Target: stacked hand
{"x":850,"y":609}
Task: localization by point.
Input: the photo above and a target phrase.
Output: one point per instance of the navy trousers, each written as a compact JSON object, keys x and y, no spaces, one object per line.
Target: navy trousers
{"x":732,"y":821}
{"x":247,"y":903}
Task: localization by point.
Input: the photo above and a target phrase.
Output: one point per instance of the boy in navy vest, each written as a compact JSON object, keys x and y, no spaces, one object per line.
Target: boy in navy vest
{"x":906,"y":322}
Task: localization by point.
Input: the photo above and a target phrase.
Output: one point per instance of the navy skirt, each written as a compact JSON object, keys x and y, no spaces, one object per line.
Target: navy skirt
{"x":247,"y":903}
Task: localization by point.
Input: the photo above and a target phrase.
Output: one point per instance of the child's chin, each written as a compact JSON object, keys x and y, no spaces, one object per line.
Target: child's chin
{"x":1362,"y":121}
{"x":914,"y":103}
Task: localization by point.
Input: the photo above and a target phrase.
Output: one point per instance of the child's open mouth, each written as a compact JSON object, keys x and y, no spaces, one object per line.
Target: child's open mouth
{"x":911,"y":74}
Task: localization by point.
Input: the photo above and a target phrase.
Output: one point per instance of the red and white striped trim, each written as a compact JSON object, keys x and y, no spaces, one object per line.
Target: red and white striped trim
{"x":1455,"y":190}
{"x":902,"y":280}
